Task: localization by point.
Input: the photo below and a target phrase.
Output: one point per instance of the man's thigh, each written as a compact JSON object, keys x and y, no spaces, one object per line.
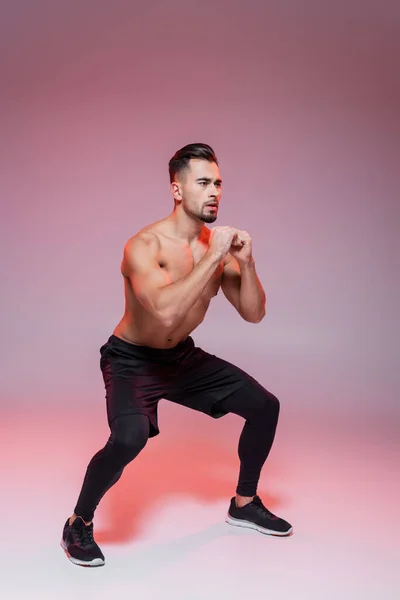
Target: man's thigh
{"x":204,"y":379}
{"x":252,"y":402}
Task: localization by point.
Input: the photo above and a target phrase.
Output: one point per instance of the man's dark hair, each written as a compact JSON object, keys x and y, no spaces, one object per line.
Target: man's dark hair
{"x":180,"y":161}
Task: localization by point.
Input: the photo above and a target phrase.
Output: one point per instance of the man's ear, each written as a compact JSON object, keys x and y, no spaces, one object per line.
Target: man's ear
{"x":176,"y":191}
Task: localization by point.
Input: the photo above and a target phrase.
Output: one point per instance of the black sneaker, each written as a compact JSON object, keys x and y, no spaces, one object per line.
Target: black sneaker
{"x":79,"y":545}
{"x":255,"y":516}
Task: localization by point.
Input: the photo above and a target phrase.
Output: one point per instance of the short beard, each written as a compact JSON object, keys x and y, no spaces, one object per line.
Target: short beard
{"x":207,"y":218}
{"x":202,"y":216}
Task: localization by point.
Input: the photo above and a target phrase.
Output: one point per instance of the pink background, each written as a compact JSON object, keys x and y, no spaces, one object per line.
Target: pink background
{"x":301,"y":106}
{"x":300,"y":101}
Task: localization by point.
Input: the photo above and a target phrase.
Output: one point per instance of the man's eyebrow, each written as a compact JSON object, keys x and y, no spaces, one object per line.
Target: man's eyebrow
{"x":208,"y":179}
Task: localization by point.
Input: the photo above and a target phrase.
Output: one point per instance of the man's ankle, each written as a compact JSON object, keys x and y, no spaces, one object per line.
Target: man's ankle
{"x":74,"y":516}
{"x":243,"y":500}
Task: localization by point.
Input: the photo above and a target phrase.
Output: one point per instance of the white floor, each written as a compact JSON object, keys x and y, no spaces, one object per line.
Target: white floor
{"x":162,"y":526}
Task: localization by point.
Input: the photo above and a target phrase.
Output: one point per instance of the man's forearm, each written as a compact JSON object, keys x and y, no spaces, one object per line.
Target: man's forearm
{"x":252,"y":295}
{"x":176,"y":299}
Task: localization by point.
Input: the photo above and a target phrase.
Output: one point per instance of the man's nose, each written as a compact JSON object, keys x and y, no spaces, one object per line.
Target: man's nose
{"x":214,"y":192}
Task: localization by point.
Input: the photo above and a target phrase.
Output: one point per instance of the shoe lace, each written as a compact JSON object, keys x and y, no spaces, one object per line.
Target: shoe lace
{"x":85,"y":535}
{"x":263,"y":509}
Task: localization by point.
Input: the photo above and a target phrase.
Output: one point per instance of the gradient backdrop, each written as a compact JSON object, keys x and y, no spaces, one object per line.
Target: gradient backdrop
{"x":300,"y":100}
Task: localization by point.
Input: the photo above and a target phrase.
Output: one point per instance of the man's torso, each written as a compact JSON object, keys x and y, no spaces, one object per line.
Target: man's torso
{"x":178,"y":259}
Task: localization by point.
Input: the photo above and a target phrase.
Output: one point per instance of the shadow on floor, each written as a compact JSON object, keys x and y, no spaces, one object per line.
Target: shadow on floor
{"x":203,"y":469}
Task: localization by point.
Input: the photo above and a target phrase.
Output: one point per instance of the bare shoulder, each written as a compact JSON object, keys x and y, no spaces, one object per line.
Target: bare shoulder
{"x":141,"y":248}
{"x":148,"y":236}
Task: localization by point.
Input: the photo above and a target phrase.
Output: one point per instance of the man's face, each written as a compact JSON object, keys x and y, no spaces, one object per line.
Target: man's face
{"x":199,"y":190}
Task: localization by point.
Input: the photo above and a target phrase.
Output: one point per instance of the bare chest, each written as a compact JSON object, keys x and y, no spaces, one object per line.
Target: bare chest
{"x":179,"y":261}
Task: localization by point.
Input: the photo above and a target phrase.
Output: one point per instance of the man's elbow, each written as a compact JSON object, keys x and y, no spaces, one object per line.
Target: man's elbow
{"x":166,"y":318}
{"x":162,"y":316}
{"x":168,"y":323}
{"x":254,"y":318}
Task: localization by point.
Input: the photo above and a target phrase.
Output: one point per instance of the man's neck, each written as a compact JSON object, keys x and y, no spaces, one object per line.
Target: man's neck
{"x":184,"y":228}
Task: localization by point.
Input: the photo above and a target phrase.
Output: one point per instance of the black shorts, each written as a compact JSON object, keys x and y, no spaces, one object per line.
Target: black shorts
{"x":137,"y":377}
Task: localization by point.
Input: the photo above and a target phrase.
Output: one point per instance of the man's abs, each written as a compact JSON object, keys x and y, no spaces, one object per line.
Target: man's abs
{"x":137,"y":326}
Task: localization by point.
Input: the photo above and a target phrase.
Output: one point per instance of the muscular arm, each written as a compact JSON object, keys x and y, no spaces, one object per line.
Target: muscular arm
{"x":167,"y":301}
{"x":243,"y":289}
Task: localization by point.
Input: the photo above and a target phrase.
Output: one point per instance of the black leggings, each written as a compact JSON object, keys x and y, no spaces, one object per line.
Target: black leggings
{"x":129,"y":435}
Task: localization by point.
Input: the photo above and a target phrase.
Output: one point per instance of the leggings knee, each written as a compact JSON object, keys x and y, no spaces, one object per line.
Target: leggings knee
{"x":127,"y":449}
{"x":271,"y":407}
{"x":129,"y":436}
{"x":253,"y":403}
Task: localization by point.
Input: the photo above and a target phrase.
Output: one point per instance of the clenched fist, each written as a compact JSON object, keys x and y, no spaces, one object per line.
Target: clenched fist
{"x":229,"y":239}
{"x":221,"y":240}
{"x":241,"y":247}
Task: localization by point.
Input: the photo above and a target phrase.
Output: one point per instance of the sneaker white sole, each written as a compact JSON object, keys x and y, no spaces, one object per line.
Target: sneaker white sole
{"x":96,"y":562}
{"x":250,"y":525}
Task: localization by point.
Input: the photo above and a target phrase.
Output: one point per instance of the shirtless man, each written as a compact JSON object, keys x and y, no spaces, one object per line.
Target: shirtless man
{"x":171,"y":271}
